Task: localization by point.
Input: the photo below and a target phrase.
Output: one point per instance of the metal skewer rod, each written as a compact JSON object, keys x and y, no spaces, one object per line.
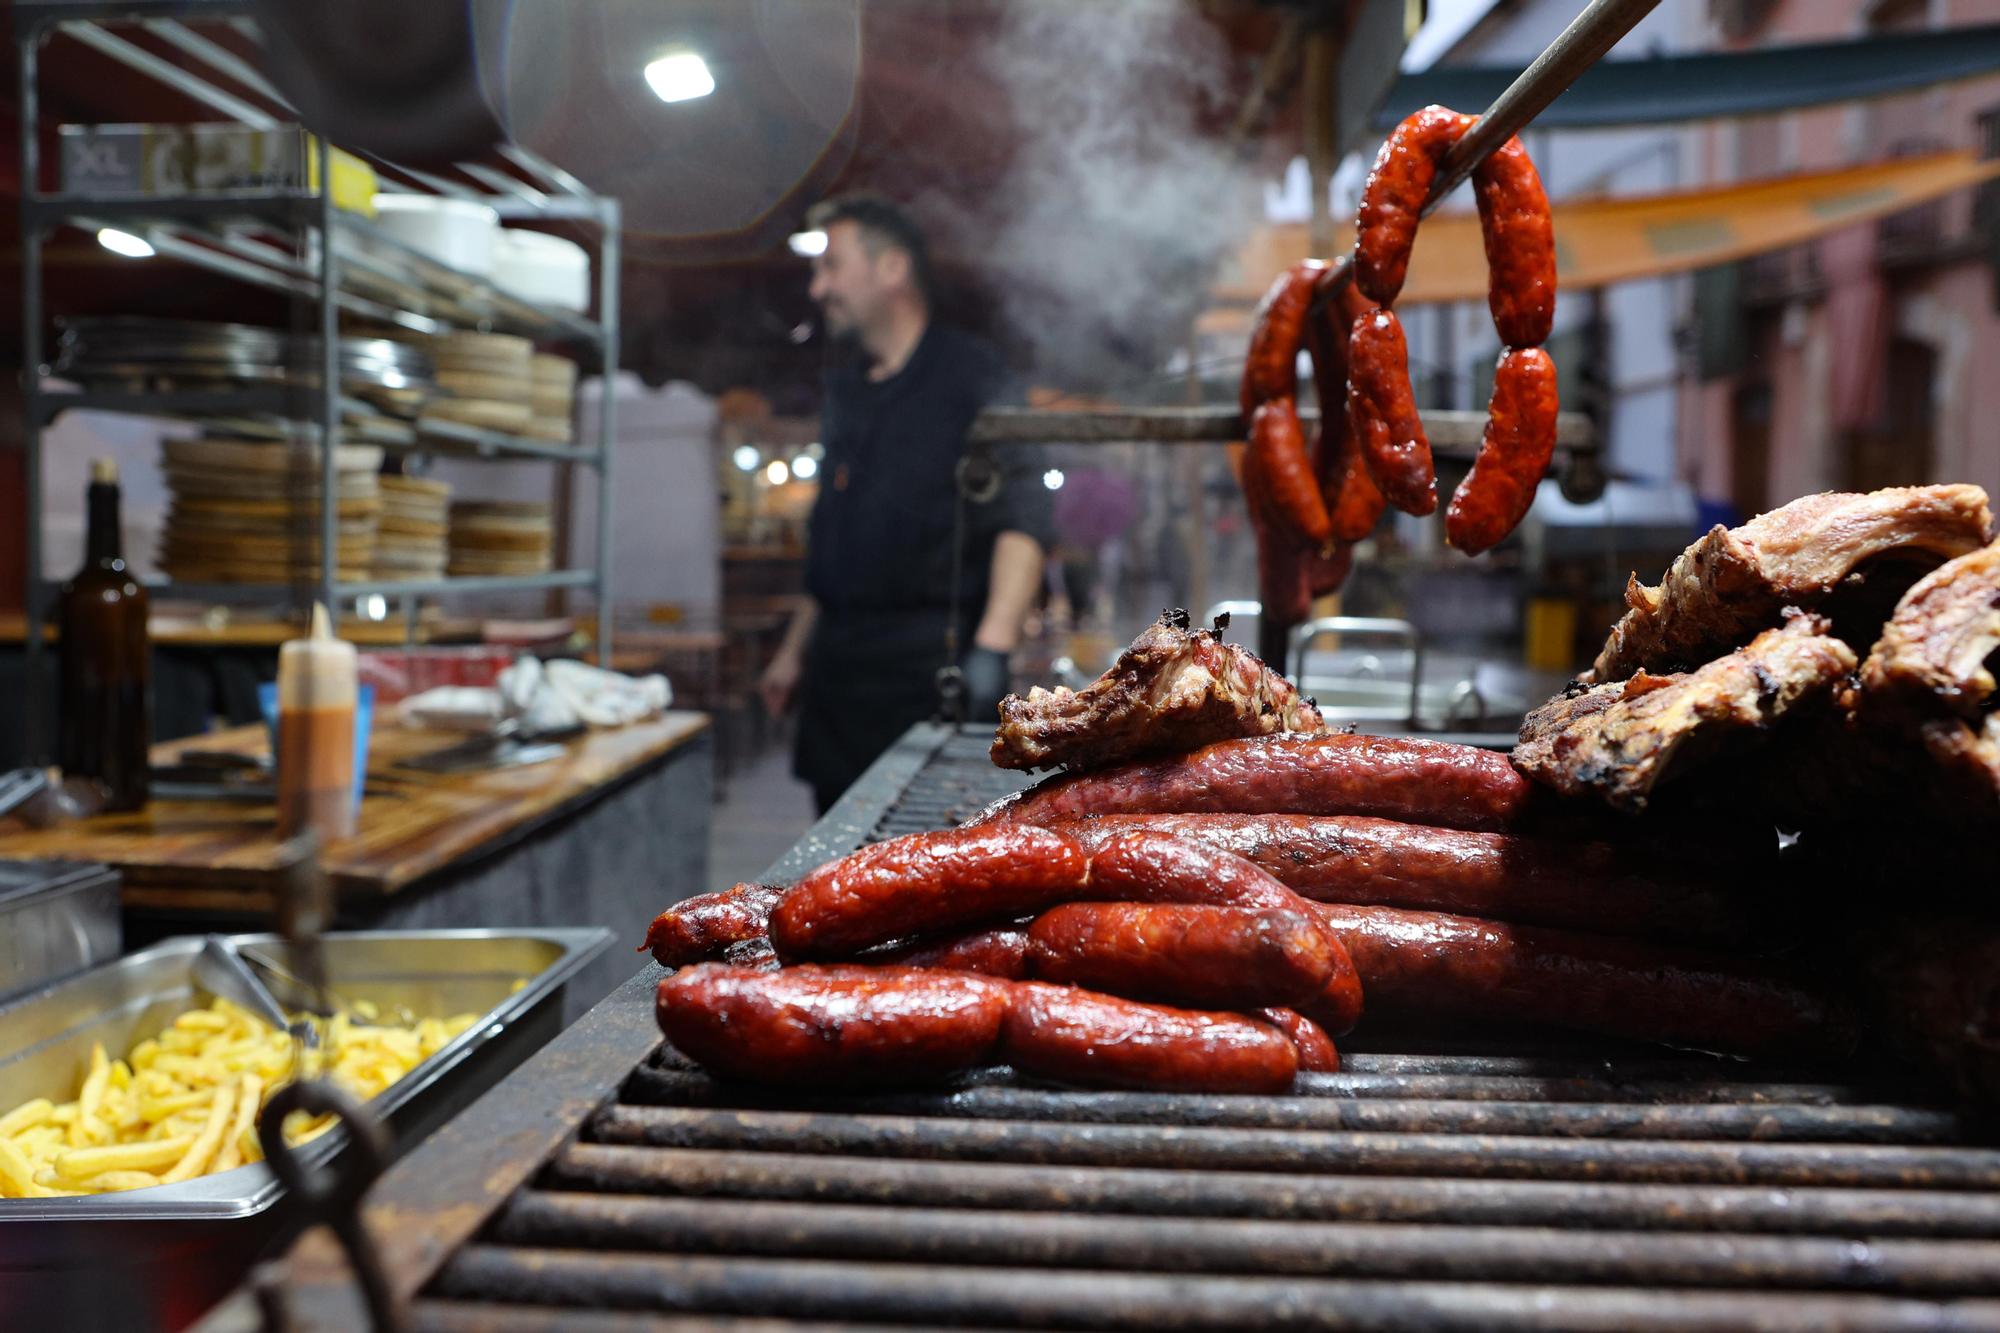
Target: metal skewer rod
{"x":1575,"y":49}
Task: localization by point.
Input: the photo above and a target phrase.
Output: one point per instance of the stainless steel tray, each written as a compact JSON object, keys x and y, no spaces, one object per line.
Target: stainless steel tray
{"x":139,"y":1258}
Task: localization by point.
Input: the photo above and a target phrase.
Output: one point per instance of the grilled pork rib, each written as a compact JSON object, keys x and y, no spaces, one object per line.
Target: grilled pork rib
{"x":1931,"y":678}
{"x":1174,"y":689}
{"x":1735,"y":581}
{"x":1621,"y":740}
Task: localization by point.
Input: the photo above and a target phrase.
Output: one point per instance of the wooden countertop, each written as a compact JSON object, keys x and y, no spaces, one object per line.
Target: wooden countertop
{"x":175,"y":630}
{"x":220,"y":856}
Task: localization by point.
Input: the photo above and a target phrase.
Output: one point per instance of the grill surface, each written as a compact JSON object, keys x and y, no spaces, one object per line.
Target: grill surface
{"x":1497,"y":1182}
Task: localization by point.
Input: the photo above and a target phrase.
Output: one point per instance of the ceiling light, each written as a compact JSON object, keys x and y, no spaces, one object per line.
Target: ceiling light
{"x":746,"y":458}
{"x":777,"y":473}
{"x":805,"y":468}
{"x":123,"y":243}
{"x":680,"y":77}
{"x":807,"y":244}
{"x":1053,"y":479}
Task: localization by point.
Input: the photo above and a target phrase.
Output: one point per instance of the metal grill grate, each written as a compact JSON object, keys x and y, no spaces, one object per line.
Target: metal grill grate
{"x":1488,"y":1184}
{"x":957,"y":780}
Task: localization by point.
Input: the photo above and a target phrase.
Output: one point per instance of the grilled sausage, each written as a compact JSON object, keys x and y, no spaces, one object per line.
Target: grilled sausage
{"x":700,"y":928}
{"x":832,"y":1026}
{"x":1392,"y":199}
{"x":1270,"y":368}
{"x":1592,"y":886}
{"x":1353,"y":502}
{"x":1284,"y":585}
{"x":1429,"y":964}
{"x":926,"y":882}
{"x":1278,"y":447}
{"x":1324,"y":573}
{"x":1382,"y":413}
{"x":1317,"y":1053}
{"x":1157,"y":868}
{"x":994,"y":953}
{"x":1074,"y":1036}
{"x":1211,"y":957}
{"x":1420,"y":781}
{"x":1520,"y":244}
{"x":1514,"y":451}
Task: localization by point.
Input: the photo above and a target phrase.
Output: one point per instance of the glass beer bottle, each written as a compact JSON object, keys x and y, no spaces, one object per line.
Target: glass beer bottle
{"x":105,"y":659}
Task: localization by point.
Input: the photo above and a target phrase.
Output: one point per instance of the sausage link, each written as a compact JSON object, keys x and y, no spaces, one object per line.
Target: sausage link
{"x":1429,"y":964}
{"x":926,"y":882}
{"x":1419,"y":781}
{"x":1520,"y":243}
{"x":1382,"y":413}
{"x":1157,"y":868}
{"x":1594,"y":886}
{"x":1356,"y":502}
{"x":1283,"y":579}
{"x":993,"y":953}
{"x":1278,"y":445}
{"x":1352,"y":500}
{"x":702,"y":927}
{"x":1317,"y":1053}
{"x":1074,"y":1036}
{"x":832,"y":1026}
{"x":1271,"y":366}
{"x":1210,"y":957}
{"x":1325,"y":572}
{"x":1392,"y":199}
{"x":1514,"y":452}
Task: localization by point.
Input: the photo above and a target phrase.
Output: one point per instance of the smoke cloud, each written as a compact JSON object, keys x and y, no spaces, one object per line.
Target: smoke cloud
{"x":1120,"y":193}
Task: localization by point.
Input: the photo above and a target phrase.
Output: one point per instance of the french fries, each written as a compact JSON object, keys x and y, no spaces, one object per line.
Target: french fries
{"x":185,"y":1102}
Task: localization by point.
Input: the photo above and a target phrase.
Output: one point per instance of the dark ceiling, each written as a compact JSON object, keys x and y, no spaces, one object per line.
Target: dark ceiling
{"x":1076,"y":164}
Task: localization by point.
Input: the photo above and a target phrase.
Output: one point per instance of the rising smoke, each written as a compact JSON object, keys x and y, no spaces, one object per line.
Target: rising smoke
{"x":1121,"y":194}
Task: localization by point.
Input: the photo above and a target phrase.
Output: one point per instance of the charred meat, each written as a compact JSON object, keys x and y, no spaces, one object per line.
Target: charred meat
{"x":1620,"y":741}
{"x":1174,"y":689}
{"x":1735,"y":581}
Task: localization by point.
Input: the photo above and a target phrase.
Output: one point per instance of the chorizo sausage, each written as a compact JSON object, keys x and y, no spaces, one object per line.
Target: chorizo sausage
{"x":994,"y":953}
{"x":832,"y":1026}
{"x":702,"y":927}
{"x":1074,"y":1036}
{"x":1283,"y":579}
{"x":1594,"y":886}
{"x":1520,"y":245}
{"x":1430,"y":964}
{"x":1191,"y":954}
{"x":1382,"y":413}
{"x":1418,"y":781}
{"x":926,"y":882}
{"x":1317,"y":1053}
{"x":1326,"y":571}
{"x":1271,"y":367}
{"x":1278,"y":450}
{"x":1157,"y":868}
{"x":1514,"y":451}
{"x":1392,"y":199}
{"x":1353,"y":502}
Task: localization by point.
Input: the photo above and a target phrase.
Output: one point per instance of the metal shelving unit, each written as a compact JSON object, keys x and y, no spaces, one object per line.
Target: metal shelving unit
{"x":350,"y":267}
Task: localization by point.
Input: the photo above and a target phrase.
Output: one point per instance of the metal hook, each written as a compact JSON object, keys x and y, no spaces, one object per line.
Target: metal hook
{"x":332,"y":1194}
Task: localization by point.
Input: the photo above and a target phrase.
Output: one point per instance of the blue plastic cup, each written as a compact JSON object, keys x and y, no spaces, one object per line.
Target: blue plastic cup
{"x":364,"y":721}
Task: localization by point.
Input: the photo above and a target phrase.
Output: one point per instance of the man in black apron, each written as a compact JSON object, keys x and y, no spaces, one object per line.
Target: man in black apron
{"x":886,"y":582}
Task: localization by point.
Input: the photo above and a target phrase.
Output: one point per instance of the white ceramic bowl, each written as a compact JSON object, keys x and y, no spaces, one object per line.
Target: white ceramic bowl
{"x":455,"y":232}
{"x":546,"y":270}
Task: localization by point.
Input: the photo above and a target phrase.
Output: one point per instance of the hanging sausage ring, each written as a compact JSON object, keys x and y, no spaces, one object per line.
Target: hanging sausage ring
{"x":1309,"y":506}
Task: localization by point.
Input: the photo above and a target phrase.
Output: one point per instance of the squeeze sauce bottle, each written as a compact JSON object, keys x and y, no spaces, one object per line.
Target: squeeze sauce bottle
{"x":316,"y":702}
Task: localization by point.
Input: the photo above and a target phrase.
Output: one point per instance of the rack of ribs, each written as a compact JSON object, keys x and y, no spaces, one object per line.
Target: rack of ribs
{"x":1174,"y":689}
{"x":1622,"y":739}
{"x":1734,"y":582}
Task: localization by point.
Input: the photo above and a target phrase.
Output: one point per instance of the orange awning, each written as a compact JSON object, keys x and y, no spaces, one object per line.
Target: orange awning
{"x":1602,"y":241}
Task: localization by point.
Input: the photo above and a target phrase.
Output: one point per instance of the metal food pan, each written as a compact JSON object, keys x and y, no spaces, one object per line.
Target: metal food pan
{"x":154,"y":1258}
